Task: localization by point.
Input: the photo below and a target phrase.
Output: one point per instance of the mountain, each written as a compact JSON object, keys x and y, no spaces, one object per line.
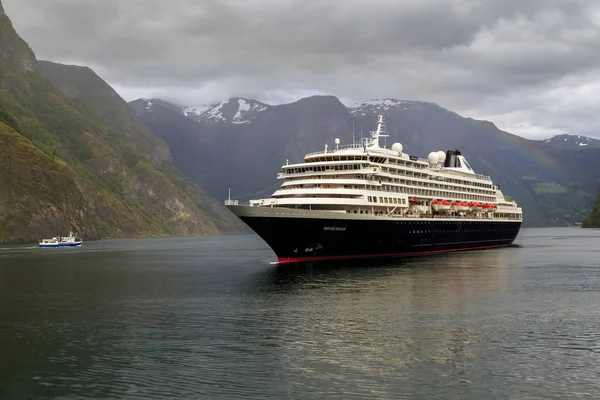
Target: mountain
{"x":181,"y":133}
{"x":369,"y":107}
{"x":15,"y":53}
{"x":37,"y":190}
{"x":593,"y":220}
{"x":75,"y":158}
{"x":233,"y":111}
{"x":244,"y":157}
{"x":554,"y":180}
{"x":554,"y":184}
{"x":571,"y":142}
{"x":87,"y":89}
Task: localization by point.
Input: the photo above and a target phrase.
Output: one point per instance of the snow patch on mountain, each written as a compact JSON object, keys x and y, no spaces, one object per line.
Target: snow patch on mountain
{"x":570,"y":141}
{"x":376,"y":105}
{"x":232,"y":110}
{"x":193,"y":110}
{"x":243,"y":108}
{"x":142,"y":106}
{"x":247,"y":111}
{"x":214,"y":113}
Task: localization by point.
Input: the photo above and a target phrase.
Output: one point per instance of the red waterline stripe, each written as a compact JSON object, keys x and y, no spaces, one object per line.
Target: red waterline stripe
{"x":287,"y":260}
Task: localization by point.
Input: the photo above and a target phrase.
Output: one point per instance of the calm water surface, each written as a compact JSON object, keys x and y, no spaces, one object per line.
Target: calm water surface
{"x":188,"y":318}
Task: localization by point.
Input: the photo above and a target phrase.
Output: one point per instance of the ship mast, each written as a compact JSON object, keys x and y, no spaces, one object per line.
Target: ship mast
{"x":380,"y":132}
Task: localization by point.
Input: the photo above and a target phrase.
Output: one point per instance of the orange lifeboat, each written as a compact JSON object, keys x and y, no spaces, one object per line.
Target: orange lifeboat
{"x":475,"y":206}
{"x":460,"y":206}
{"x":489,"y":207}
{"x":440,"y":205}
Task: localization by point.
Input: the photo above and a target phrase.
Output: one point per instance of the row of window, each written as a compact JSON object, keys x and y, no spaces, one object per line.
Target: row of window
{"x":379,"y":212}
{"x":437,"y":186}
{"x":448,"y":184}
{"x":408,"y":189}
{"x":449,"y":180}
{"x":415,"y":164}
{"x":397,"y":211}
{"x":428,"y":231}
{"x":388,"y":200}
{"x":336,"y":158}
{"x":322,"y":168}
{"x":411,"y":191}
{"x":406,"y":163}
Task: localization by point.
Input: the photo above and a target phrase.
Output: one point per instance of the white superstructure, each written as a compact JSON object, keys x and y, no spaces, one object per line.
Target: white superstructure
{"x":372,"y":180}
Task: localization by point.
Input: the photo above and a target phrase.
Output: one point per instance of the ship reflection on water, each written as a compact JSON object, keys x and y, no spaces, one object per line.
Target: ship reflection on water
{"x":455,"y":265}
{"x":385,"y":318}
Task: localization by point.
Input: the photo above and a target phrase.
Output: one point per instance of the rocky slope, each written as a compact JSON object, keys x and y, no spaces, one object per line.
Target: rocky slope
{"x":74,"y":157}
{"x":38,"y":191}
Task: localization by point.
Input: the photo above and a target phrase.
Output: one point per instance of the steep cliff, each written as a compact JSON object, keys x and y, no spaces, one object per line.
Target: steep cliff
{"x":39,"y":192}
{"x":75,"y":158}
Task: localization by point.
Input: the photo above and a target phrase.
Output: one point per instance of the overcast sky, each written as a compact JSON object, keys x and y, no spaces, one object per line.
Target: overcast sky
{"x":530,"y":66}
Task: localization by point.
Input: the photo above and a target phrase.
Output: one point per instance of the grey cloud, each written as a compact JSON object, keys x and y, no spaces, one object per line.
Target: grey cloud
{"x":481,"y":57}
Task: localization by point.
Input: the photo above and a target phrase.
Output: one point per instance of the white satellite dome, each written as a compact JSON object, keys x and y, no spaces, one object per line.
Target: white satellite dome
{"x":337,"y":140}
{"x":397,"y":147}
{"x":433,"y":157}
{"x":442,"y":156}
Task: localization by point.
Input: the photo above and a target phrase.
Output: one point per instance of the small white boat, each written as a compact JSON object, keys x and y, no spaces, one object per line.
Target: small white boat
{"x":61,"y":241}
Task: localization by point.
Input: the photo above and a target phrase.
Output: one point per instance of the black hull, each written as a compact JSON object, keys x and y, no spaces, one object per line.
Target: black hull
{"x":312,"y":239}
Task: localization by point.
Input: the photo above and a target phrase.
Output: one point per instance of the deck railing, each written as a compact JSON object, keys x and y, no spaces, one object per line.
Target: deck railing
{"x":333,"y":150}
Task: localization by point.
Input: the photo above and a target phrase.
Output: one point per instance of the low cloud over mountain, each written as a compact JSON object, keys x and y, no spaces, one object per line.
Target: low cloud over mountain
{"x":531,"y":67}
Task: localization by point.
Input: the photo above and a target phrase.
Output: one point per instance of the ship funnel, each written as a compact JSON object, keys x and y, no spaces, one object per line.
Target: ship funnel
{"x":452,"y":159}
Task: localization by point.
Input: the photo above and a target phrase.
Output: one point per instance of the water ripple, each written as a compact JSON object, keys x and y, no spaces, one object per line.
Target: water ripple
{"x":192,"y":318}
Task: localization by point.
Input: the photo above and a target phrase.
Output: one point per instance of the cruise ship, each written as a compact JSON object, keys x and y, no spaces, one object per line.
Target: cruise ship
{"x":365,"y":200}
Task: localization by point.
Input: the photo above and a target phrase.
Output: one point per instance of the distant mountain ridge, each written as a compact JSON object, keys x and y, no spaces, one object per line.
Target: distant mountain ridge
{"x":572,"y":142}
{"x":235,"y":110}
{"x":377,"y":105}
{"x":554,"y":180}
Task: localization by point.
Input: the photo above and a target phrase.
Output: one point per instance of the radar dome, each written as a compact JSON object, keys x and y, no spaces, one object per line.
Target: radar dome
{"x":433,"y":157}
{"x":442,"y":156}
{"x":337,"y":141}
{"x":397,"y":147}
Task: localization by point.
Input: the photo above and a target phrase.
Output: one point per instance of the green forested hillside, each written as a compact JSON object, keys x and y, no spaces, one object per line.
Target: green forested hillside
{"x":593,"y":221}
{"x":38,"y":191}
{"x":81,"y":162}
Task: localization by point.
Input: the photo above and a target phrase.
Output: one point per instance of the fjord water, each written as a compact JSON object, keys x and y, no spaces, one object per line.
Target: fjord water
{"x":212,"y":318}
